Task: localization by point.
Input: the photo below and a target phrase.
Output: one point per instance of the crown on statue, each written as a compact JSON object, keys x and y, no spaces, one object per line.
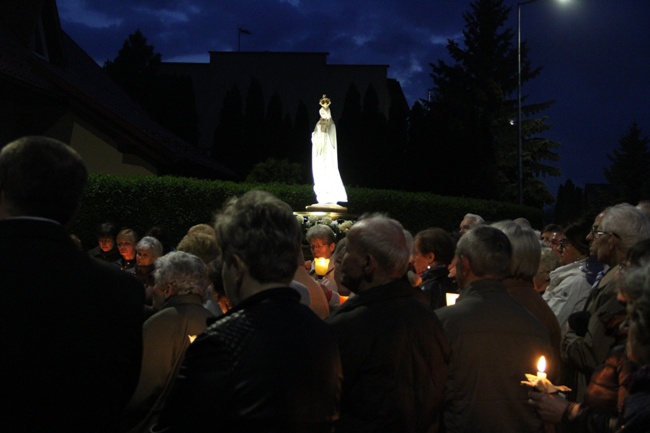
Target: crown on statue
{"x":324,"y":100}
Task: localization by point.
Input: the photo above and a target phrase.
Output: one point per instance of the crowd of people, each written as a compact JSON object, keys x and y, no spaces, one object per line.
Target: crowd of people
{"x":233,"y":330}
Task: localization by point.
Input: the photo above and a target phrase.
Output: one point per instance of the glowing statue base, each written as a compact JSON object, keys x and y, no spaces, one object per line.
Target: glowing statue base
{"x":330,"y":208}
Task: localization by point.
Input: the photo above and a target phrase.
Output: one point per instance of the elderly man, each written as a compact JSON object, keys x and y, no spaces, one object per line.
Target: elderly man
{"x":393,"y":350}
{"x":71,"y":325}
{"x":469,"y":221}
{"x":268,"y":364}
{"x":586,"y":344}
{"x":181,"y":280}
{"x":494,"y":341}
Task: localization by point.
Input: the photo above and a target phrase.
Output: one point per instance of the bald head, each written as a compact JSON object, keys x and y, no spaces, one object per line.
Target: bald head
{"x":377,"y":252}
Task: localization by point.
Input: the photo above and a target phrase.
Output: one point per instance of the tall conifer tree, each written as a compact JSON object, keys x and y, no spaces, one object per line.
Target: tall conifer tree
{"x":474,"y":103}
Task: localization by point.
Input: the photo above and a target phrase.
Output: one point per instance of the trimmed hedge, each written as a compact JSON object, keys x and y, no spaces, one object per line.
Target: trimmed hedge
{"x":176,"y":204}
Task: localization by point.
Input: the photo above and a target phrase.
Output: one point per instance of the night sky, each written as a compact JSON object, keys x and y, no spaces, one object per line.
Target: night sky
{"x":595,"y":54}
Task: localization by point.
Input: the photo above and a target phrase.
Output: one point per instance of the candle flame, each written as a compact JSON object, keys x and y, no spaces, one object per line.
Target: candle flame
{"x":321,"y":264}
{"x":541,"y":364}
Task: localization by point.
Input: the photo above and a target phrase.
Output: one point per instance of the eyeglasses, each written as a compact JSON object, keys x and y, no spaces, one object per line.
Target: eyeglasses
{"x":624,"y":266}
{"x":317,"y":246}
{"x":598,"y":233}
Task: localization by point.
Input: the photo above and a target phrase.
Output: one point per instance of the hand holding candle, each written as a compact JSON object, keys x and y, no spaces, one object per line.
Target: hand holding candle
{"x":540,"y":382}
{"x":321,"y":265}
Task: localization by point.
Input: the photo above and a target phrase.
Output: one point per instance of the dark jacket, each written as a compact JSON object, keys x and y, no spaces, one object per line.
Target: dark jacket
{"x":494,"y":342}
{"x":71,"y":330}
{"x":636,"y":415}
{"x":268,"y":365}
{"x":588,"y":351}
{"x":435,"y":284}
{"x":524,"y":293}
{"x":394,"y":355}
{"x":110,"y":256}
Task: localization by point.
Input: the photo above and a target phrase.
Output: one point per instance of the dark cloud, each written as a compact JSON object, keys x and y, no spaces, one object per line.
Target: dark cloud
{"x":594,"y":53}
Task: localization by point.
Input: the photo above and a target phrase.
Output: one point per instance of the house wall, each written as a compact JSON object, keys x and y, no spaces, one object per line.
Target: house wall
{"x":99,"y":155}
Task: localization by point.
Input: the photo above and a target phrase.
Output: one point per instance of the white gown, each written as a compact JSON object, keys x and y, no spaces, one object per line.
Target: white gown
{"x":328,"y":185}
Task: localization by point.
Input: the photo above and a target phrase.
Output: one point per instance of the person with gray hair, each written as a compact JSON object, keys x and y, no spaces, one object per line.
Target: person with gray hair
{"x":586,"y":343}
{"x":494,"y":340}
{"x":469,"y":221}
{"x":526,"y":254}
{"x":548,"y":262}
{"x":71,"y":326}
{"x":322,"y":242}
{"x":569,"y":289}
{"x":269,"y":363}
{"x":147,"y":251}
{"x":607,"y":397}
{"x":181,"y":281}
{"x":393,"y":350}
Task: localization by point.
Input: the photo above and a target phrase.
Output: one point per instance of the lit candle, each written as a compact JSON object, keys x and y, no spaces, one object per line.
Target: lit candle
{"x":451,"y":298}
{"x":321,"y":265}
{"x":541,"y":368}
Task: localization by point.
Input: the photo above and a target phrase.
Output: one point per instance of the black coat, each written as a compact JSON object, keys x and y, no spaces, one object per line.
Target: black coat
{"x":268,"y":365}
{"x":71,"y":331}
{"x":435,"y":286}
{"x":494,"y":341}
{"x":394,"y":355}
{"x":636,"y":414}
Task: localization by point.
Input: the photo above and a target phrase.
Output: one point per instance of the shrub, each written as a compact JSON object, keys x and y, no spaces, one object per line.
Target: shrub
{"x":176,"y":204}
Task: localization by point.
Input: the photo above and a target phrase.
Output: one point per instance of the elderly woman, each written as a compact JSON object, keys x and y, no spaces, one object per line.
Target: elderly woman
{"x":569,"y":289}
{"x":322,"y":242}
{"x":148,"y":250}
{"x":549,"y":261}
{"x":636,"y":412}
{"x":433,"y":252}
{"x":126,"y":241}
{"x":628,"y":385}
{"x":181,"y":280}
{"x":526,"y":252}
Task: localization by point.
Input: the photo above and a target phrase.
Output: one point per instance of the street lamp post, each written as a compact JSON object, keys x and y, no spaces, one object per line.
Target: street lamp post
{"x":520,"y":165}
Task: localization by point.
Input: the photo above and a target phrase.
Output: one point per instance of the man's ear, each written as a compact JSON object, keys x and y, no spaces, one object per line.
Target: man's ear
{"x":466,"y":267}
{"x":239,"y":267}
{"x":168,"y":291}
{"x":369,"y":266}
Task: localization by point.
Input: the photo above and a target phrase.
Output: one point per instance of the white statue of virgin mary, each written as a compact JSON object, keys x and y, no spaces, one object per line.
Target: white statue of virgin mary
{"x":328,"y":185}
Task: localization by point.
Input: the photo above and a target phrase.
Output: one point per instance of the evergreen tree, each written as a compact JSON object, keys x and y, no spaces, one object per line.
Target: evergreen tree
{"x":419,"y":160}
{"x":570,"y":203}
{"x":472,"y":111}
{"x":136,"y":67}
{"x":168,"y":99}
{"x":373,"y":145}
{"x":254,"y":148}
{"x":228,"y":136}
{"x":349,"y":133}
{"x":629,"y":168}
{"x":275,"y":129}
{"x":301,"y":137}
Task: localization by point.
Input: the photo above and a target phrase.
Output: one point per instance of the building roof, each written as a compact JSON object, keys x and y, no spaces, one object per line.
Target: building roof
{"x":67,"y":74}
